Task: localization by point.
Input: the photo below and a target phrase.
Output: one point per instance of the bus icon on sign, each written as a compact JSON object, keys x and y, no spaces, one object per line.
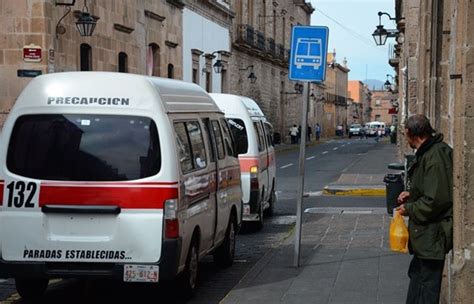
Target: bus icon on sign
{"x":308,"y":53}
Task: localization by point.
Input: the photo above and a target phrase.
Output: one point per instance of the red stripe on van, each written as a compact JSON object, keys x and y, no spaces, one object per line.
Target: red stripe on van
{"x":246,"y":163}
{"x":2,"y":183}
{"x":126,"y":197}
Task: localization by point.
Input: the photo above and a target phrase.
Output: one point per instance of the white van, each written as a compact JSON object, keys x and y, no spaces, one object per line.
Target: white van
{"x":253,"y":136}
{"x":373,"y":127}
{"x":115,"y":175}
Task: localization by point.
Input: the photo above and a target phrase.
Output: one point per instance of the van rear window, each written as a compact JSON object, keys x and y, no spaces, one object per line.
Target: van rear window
{"x":84,"y":147}
{"x":239,"y":133}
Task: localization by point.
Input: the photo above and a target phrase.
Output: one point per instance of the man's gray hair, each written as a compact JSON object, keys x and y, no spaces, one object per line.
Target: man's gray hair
{"x":419,"y":126}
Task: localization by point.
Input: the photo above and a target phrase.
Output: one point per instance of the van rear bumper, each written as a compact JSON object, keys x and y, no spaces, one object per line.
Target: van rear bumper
{"x":169,"y":263}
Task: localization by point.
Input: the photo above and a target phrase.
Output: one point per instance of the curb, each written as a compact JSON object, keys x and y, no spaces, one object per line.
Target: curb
{"x":354,"y":191}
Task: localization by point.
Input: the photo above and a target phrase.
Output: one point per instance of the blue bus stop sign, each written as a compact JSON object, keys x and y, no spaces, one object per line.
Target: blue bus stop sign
{"x":309,"y":48}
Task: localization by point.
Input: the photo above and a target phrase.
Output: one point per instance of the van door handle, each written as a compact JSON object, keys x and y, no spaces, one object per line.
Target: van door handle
{"x":76,"y":209}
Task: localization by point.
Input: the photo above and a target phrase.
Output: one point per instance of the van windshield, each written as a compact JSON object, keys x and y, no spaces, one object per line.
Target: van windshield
{"x":84,"y":147}
{"x":239,"y":133}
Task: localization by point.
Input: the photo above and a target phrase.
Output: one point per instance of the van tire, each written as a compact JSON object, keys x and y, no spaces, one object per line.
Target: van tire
{"x":271,"y":208}
{"x":224,"y":255}
{"x":188,"y":279}
{"x":30,"y":289}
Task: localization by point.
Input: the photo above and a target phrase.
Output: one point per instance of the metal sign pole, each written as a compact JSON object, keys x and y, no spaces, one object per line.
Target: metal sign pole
{"x":299,"y":198}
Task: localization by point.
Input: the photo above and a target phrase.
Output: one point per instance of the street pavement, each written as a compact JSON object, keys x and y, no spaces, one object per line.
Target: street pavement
{"x":345,"y":256}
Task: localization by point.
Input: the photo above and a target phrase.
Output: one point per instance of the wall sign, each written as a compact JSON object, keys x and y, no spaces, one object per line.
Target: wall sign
{"x":32,"y":53}
{"x":28,"y":73}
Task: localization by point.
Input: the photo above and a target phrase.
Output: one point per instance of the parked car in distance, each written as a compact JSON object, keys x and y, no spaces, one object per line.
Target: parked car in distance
{"x":354,"y":130}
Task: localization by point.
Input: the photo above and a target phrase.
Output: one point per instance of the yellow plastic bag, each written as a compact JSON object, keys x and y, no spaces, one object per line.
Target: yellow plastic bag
{"x":398,"y":234}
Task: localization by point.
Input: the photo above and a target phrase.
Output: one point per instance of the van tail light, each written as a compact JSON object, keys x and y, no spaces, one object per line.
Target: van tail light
{"x":254,"y":178}
{"x":171,"y":219}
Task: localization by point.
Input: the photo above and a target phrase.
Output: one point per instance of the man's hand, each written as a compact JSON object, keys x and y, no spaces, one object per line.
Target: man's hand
{"x":403,"y":197}
{"x":401,"y":210}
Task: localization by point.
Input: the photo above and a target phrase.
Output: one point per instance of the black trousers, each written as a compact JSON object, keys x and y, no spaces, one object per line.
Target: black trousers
{"x":425,"y":281}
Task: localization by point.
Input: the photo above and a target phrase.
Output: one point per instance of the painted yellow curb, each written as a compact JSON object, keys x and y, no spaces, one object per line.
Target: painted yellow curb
{"x":355,"y":192}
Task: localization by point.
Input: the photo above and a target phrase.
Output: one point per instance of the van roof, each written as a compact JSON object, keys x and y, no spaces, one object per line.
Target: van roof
{"x":117,"y":90}
{"x":234,"y":105}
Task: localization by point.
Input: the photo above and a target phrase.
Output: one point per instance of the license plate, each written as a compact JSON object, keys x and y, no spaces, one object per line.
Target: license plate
{"x":140,"y":273}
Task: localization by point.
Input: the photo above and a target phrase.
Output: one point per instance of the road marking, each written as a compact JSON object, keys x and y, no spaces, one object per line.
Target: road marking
{"x":310,"y":158}
{"x":325,"y":152}
{"x":346,"y":210}
{"x":2,"y":281}
{"x":343,"y":146}
{"x":313,"y":193}
{"x":286,"y":166}
{"x":283,"y":219}
{"x":335,"y":148}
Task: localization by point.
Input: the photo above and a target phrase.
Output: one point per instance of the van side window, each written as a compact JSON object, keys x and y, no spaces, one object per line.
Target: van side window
{"x":229,"y":144}
{"x":239,"y":134}
{"x":210,"y":138}
{"x":260,"y":138}
{"x":184,"y":148}
{"x":219,"y":141}
{"x":197,"y":144}
{"x":269,"y":133}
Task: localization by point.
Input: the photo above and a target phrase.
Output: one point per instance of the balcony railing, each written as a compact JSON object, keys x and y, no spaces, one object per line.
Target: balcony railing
{"x":260,"y":41}
{"x":271,"y":47}
{"x":247,"y":34}
{"x":280,"y":51}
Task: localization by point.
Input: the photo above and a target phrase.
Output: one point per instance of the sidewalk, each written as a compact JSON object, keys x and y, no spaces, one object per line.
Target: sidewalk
{"x":345,"y":255}
{"x":365,"y":176}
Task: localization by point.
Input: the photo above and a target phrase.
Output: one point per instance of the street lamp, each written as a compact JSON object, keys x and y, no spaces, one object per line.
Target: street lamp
{"x":381,"y":34}
{"x":218,"y":66}
{"x":85,"y":22}
{"x":299,"y":87}
{"x":251,"y":76}
{"x":388,"y":85}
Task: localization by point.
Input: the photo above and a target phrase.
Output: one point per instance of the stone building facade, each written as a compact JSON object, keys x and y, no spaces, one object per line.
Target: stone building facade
{"x":260,"y":45}
{"x":435,"y":65}
{"x":382,"y":107}
{"x":143,"y":37}
{"x":362,"y":95}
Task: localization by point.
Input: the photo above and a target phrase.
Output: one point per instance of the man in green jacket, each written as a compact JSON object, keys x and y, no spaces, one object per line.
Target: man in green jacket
{"x":429,"y":205}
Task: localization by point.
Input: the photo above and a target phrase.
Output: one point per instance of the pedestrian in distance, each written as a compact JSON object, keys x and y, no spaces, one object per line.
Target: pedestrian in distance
{"x":308,"y":133}
{"x":318,"y":131}
{"x":294,"y":134}
{"x":428,"y":202}
{"x":299,"y":134}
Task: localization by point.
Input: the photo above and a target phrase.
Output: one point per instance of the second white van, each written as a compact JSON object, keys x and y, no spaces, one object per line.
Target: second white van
{"x":253,"y":136}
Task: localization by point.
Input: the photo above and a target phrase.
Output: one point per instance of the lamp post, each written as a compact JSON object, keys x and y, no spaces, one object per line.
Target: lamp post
{"x":380,"y":34}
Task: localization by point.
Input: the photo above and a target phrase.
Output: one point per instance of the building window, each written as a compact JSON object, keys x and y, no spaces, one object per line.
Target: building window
{"x":170,"y":71}
{"x":377,"y":102}
{"x":153,"y":60}
{"x":86,"y":57}
{"x":195,"y":76}
{"x":377,"y":117}
{"x":122,"y":62}
{"x":208,"y":81}
{"x":224,"y":81}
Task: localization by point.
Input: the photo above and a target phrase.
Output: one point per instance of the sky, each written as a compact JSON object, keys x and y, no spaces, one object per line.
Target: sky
{"x":351,"y":24}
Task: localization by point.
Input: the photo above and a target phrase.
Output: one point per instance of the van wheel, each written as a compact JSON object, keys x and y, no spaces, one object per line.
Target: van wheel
{"x":273,"y":199}
{"x":188,"y":279}
{"x":224,"y":256}
{"x":30,"y":289}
